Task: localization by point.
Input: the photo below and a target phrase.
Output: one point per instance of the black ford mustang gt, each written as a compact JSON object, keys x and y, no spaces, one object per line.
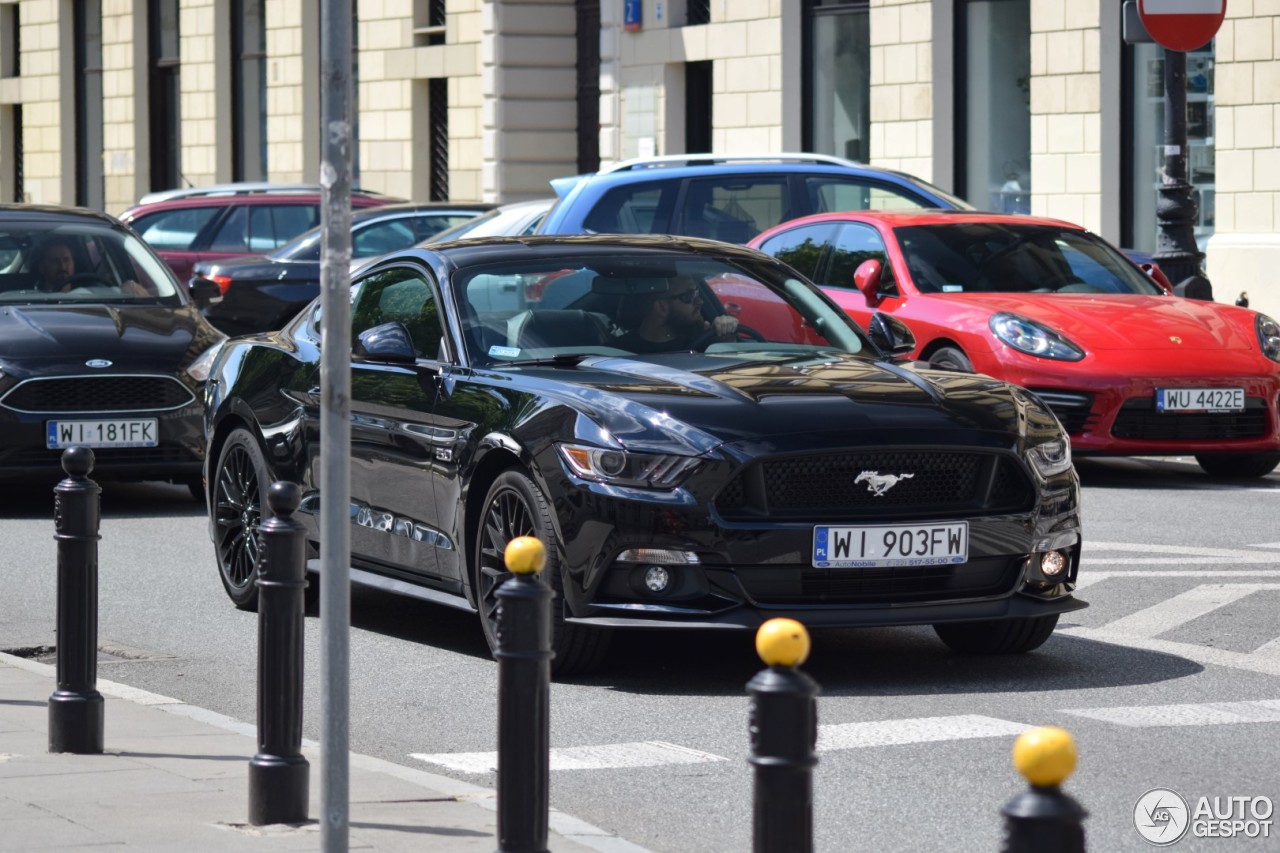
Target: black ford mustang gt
{"x":100,"y":348}
{"x":793,"y":468}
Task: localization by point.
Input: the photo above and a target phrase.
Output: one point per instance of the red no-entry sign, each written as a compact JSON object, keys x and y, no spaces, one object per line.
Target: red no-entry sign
{"x":1182,"y":24}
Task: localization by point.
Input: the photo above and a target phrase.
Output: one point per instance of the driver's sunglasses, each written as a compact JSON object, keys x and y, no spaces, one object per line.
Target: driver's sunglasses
{"x":688,"y":297}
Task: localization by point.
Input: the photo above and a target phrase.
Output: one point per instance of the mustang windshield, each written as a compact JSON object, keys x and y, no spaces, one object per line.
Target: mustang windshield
{"x":1000,"y":257}
{"x":82,"y":262}
{"x":645,"y":305}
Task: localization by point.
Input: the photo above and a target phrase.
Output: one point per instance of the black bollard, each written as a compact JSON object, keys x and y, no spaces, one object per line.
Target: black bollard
{"x":784,"y":734}
{"x":278,"y":773}
{"x":75,"y":708}
{"x":1043,"y":819}
{"x":524,"y":700}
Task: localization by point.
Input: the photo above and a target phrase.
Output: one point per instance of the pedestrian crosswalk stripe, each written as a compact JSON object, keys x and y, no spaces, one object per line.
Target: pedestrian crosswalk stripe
{"x":918,"y":730}
{"x":1254,"y":662}
{"x":1182,"y":608}
{"x":612,"y":756}
{"x":1208,"y":714}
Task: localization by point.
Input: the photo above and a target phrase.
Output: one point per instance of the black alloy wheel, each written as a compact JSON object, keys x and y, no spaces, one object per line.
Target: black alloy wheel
{"x":515,"y":507}
{"x":239,"y":488}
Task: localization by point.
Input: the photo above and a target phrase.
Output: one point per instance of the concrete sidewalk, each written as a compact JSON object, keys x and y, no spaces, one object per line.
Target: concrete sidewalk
{"x":176,"y":777}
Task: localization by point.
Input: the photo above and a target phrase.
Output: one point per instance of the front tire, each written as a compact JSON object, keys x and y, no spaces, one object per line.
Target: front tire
{"x":1003,"y":637}
{"x":1238,"y":466}
{"x":515,"y":507}
{"x":951,"y":358}
{"x":239,"y":486}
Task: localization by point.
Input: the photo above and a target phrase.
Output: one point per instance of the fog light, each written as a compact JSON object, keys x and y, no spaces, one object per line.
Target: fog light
{"x":657,"y":579}
{"x":1053,"y":563}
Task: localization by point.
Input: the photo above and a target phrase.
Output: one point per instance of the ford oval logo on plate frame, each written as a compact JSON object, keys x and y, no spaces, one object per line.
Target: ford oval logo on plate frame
{"x":97,"y":362}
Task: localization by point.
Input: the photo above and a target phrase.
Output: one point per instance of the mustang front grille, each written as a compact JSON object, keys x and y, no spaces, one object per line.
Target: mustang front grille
{"x":919,"y":483}
{"x":88,"y":395}
{"x":1138,"y":419}
{"x":789,"y":585}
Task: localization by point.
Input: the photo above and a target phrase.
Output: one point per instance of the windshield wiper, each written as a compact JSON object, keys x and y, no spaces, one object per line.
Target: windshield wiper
{"x":567,"y":359}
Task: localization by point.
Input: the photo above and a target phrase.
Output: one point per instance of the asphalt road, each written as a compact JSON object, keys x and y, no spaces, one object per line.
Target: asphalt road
{"x":1171,"y":679}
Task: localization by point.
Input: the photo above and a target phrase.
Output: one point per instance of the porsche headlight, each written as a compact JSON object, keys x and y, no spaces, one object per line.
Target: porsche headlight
{"x":1033,"y":338}
{"x":1051,"y":458}
{"x":622,"y":468}
{"x":199,"y":369}
{"x":1268,"y":336}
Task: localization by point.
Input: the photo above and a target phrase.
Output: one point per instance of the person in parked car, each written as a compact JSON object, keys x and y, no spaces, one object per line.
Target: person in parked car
{"x":56,"y":269}
{"x":672,"y":320}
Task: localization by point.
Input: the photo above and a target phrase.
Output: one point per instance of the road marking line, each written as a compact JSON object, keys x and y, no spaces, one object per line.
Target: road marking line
{"x":1266,"y":545}
{"x":612,"y":756}
{"x":1189,"y":651}
{"x":1186,"y":550}
{"x":1182,"y":608}
{"x":1269,"y":649}
{"x":918,"y":730}
{"x":1208,"y":714}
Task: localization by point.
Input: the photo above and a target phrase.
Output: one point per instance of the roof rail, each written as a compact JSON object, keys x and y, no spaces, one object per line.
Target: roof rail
{"x":242,"y":188}
{"x":671,"y":161}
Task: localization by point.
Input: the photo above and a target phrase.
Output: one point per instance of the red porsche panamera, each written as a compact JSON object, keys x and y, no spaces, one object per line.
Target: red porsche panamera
{"x":1128,"y":367}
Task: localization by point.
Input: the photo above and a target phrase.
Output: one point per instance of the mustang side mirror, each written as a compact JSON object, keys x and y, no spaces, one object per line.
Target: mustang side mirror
{"x":890,"y":334}
{"x":867,"y":279}
{"x":389,"y":343}
{"x":204,"y":292}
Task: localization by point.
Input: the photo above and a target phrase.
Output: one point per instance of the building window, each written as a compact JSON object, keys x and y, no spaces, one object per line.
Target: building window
{"x":588,"y":38}
{"x":10,"y":40}
{"x":837,"y":85}
{"x":1143,"y":157}
{"x":697,"y":107}
{"x":993,"y":83}
{"x":249,"y":83}
{"x":11,"y":116}
{"x":438,"y":96}
{"x":697,"y":12}
{"x":164,"y":94}
{"x":90,"y":189}
{"x":428,"y":23}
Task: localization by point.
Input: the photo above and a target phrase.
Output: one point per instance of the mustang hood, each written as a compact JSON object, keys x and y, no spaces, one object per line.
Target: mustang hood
{"x":796,"y":403}
{"x":157,"y":338}
{"x":1129,"y":322}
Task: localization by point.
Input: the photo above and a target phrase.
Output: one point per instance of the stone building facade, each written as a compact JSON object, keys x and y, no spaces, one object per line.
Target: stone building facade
{"x":1035,"y":105}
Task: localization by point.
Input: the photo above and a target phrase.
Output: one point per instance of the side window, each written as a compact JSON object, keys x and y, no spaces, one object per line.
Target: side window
{"x":642,"y":208}
{"x":273,"y":225}
{"x":854,"y":244}
{"x":426,"y":227}
{"x":173,"y":230}
{"x":381,"y":237}
{"x":399,"y":295}
{"x":830,"y":194}
{"x":733,"y":209}
{"x":802,"y":248}
{"x":231,"y":236}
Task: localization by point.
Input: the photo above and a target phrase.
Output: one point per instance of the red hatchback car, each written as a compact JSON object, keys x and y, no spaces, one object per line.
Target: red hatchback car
{"x":1129,"y":368}
{"x":229,"y":220}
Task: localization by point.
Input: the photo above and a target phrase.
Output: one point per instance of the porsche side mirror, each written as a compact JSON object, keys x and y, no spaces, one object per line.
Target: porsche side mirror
{"x":1157,"y":275}
{"x":890,"y":334}
{"x":388,"y":343}
{"x":867,"y":279}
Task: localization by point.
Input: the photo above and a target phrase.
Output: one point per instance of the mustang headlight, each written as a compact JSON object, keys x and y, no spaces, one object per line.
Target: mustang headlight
{"x":199,"y":369}
{"x":1032,"y":338}
{"x":1268,"y":336}
{"x":1051,"y":457}
{"x":622,"y":468}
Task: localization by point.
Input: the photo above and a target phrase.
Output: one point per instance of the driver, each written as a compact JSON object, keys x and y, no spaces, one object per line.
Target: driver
{"x":55,"y":265}
{"x":672,"y":320}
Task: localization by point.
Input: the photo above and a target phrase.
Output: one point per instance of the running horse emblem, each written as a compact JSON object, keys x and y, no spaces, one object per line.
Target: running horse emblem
{"x":878,"y":483}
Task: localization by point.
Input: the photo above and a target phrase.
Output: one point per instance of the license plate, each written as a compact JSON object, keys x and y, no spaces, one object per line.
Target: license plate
{"x":1199,"y":399}
{"x":891,"y":545}
{"x":135,"y":432}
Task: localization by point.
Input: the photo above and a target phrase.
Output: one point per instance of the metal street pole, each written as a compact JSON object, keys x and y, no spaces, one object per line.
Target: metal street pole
{"x":335,"y":422}
{"x":1176,"y":250}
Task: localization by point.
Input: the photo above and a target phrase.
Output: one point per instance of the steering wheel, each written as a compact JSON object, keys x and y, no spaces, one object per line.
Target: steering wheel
{"x":710,"y":335}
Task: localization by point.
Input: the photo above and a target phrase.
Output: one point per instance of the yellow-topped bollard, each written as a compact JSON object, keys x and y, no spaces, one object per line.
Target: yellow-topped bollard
{"x":1045,"y":756}
{"x":1043,"y":817}
{"x":525,"y":555}
{"x":782,"y":642}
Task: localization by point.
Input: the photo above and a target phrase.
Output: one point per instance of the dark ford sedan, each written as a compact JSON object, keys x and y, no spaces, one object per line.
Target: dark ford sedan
{"x":685,"y":467}
{"x":99,"y":347}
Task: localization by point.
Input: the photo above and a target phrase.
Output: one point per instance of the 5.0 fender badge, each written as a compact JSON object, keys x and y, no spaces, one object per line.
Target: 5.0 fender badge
{"x":97,"y":362}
